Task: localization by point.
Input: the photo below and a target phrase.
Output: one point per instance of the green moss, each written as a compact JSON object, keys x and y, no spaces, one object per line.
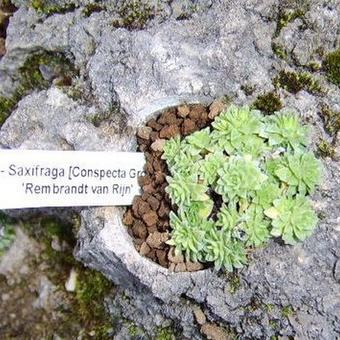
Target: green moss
{"x":274,"y":324}
{"x":166,"y":334}
{"x":287,"y":311}
{"x":93,"y":8}
{"x":314,"y":66}
{"x":7,"y":233}
{"x":286,"y":16}
{"x":30,"y":78}
{"x":88,"y":306}
{"x":268,"y":102}
{"x":331,"y":120}
{"x":53,"y":226}
{"x":331,"y":66}
{"x":326,"y":149}
{"x":297,"y":81}
{"x":97,"y":119}
{"x":269,"y":308}
{"x":6,"y":107}
{"x":92,"y":287}
{"x":48,"y":7}
{"x":44,"y":230}
{"x":234,"y":283}
{"x":279,"y":50}
{"x":247,"y":89}
{"x":134,"y":15}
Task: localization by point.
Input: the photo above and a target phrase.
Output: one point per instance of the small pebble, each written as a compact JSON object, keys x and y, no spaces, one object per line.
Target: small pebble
{"x":158,"y":145}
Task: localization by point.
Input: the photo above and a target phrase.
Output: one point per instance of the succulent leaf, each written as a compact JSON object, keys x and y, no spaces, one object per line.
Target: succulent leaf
{"x":292,"y":218}
{"x":266,"y":195}
{"x":209,"y":166}
{"x":200,"y":140}
{"x":300,"y":171}
{"x":239,"y":178}
{"x":224,"y":251}
{"x":188,"y":236}
{"x":284,"y":129}
{"x":185,"y":164}
{"x":171,"y":149}
{"x":255,"y":226}
{"x":235,"y":128}
{"x":183,"y":190}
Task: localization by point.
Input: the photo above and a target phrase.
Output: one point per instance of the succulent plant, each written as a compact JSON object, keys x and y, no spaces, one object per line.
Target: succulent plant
{"x":301,"y":172}
{"x":185,"y":163}
{"x":266,"y":195}
{"x":200,"y":141}
{"x":234,"y":127}
{"x":255,"y":226}
{"x":239,"y":178}
{"x":184,"y":190}
{"x":224,"y":251}
{"x":284,"y":129}
{"x":260,"y":169}
{"x":188,"y":236}
{"x":293,"y":219}
{"x":171,"y":149}
{"x":209,"y":166}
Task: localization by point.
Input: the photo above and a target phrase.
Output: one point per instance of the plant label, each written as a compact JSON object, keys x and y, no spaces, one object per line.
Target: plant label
{"x":39,"y":178}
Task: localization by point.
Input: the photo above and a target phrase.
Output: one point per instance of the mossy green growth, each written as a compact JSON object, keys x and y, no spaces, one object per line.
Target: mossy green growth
{"x":93,"y":8}
{"x":296,"y":81}
{"x":134,"y":14}
{"x":287,"y":311}
{"x":87,"y":303}
{"x":331,"y":120}
{"x":48,"y":7}
{"x":326,"y":149}
{"x":286,"y":16}
{"x":268,"y":102}
{"x":234,"y":283}
{"x":166,"y":334}
{"x":92,"y":287}
{"x":44,"y":230}
{"x":331,"y":66}
{"x":248,"y":89}
{"x":7,"y":233}
{"x":31,"y":78}
{"x":314,"y":66}
{"x":279,"y":50}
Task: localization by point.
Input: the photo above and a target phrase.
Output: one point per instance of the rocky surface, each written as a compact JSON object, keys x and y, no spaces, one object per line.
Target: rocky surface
{"x":131,"y":68}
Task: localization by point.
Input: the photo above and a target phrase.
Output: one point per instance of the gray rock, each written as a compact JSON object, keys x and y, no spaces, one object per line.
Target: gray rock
{"x":210,"y":53}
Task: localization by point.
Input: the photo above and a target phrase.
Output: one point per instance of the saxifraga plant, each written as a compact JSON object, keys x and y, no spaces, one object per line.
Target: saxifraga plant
{"x":260,"y":168}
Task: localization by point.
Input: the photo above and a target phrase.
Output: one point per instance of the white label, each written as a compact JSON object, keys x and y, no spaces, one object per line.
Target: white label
{"x":37,"y":178}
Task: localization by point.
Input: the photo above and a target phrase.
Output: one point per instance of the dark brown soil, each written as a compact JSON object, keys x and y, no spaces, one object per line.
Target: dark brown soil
{"x":148,"y":218}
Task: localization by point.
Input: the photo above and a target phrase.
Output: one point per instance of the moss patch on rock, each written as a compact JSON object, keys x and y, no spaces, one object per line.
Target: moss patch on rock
{"x":279,"y":50}
{"x":86,"y":306}
{"x":268,"y":102}
{"x":331,"y":66}
{"x":7,"y":233}
{"x":294,"y":82}
{"x":134,"y":15}
{"x":331,"y":120}
{"x":39,"y":71}
{"x":49,"y":7}
{"x":286,"y":16}
{"x":93,"y":8}
{"x":326,"y":149}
